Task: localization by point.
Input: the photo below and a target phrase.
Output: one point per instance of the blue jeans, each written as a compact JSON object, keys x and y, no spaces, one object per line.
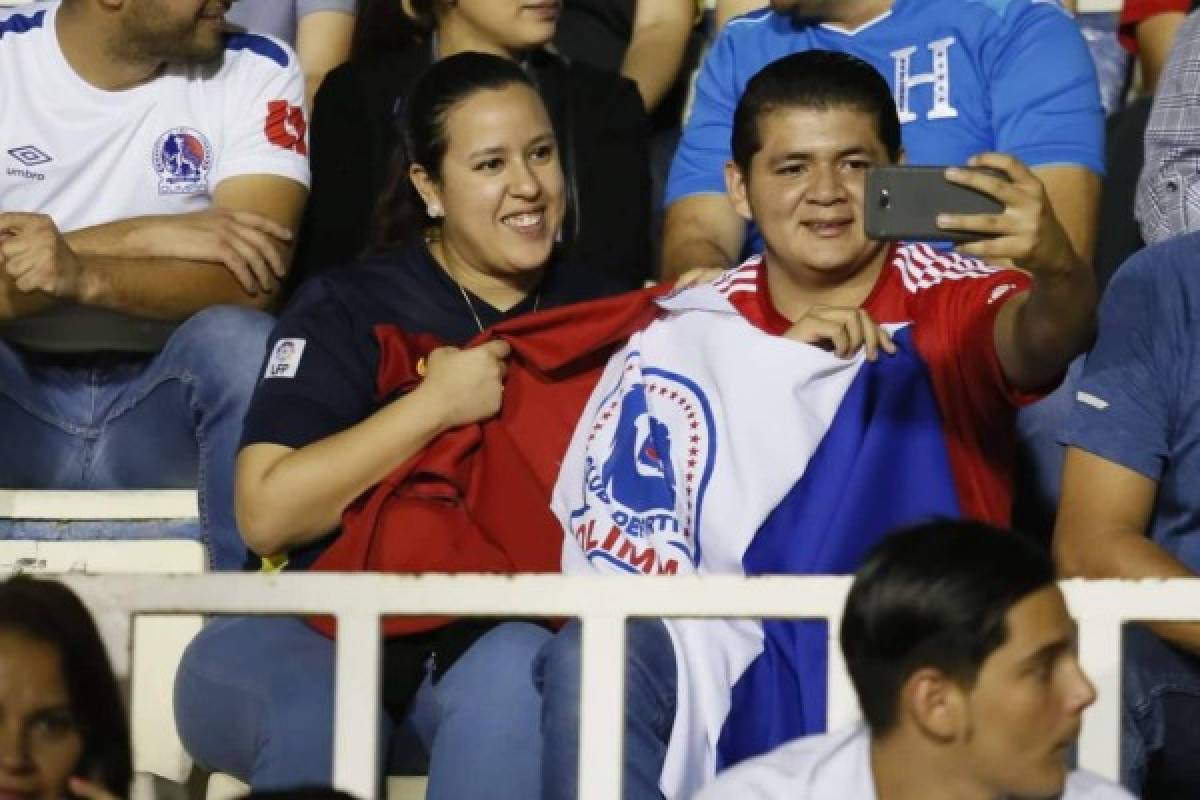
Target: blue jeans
{"x":254,"y":699}
{"x":650,"y":700}
{"x":1160,"y":740}
{"x":169,"y":421}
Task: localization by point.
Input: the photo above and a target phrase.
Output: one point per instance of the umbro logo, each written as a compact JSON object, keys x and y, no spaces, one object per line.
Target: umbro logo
{"x":29,"y":156}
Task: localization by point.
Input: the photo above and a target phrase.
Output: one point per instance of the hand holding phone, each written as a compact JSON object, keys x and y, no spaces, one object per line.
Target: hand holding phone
{"x":1026,"y":232}
{"x":995,"y":209}
{"x":903,"y":202}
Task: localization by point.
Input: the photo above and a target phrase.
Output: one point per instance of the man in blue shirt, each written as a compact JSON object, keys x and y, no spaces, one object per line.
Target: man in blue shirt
{"x":1131,"y":497}
{"x":969,"y":76}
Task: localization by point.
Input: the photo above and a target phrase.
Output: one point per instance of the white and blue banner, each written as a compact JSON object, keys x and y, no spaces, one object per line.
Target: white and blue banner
{"x":712,"y":447}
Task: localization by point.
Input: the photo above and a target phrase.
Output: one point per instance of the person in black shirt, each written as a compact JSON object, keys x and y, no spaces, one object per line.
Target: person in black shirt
{"x":598,"y":118}
{"x":475,"y":202}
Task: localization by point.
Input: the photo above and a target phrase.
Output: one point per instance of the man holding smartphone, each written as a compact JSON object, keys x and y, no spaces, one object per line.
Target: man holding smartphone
{"x":804,"y":135}
{"x":707,"y":407}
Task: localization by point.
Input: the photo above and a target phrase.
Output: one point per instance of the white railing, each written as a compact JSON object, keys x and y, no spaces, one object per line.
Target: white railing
{"x":84,"y":504}
{"x":358,"y":602}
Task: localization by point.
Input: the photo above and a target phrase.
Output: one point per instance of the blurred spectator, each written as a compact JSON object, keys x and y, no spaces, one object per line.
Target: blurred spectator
{"x":705,"y":487}
{"x":1168,"y":194}
{"x":64,"y":732}
{"x":728,"y":9}
{"x":963,"y":658}
{"x":653,"y":43}
{"x":1098,"y":29}
{"x":1147,"y":29}
{"x":1013,"y":77}
{"x":598,"y":118}
{"x":1131,"y":501}
{"x":470,"y":217}
{"x":642,"y":39}
{"x":319,"y":30}
{"x":155,"y":171}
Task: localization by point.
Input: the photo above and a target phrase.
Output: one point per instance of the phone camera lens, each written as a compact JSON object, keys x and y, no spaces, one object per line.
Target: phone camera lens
{"x":885,"y":199}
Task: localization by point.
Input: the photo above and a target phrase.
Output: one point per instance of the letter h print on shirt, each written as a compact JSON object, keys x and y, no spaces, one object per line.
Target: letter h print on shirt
{"x":938,"y":78}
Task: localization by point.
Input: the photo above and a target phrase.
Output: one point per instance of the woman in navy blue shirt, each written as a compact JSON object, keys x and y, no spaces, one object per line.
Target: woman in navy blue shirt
{"x":475,"y":204}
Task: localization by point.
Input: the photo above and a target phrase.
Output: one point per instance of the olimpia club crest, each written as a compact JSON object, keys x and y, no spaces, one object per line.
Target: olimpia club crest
{"x":649,"y":456}
{"x":182,"y":158}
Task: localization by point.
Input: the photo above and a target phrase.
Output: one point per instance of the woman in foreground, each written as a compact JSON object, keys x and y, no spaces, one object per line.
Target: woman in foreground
{"x":471,"y":217}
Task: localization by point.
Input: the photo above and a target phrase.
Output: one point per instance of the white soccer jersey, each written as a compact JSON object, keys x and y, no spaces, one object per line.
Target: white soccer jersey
{"x":87,"y":156}
{"x":838,"y":765}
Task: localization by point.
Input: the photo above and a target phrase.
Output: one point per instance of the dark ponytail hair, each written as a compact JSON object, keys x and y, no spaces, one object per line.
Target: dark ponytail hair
{"x":400,"y":213}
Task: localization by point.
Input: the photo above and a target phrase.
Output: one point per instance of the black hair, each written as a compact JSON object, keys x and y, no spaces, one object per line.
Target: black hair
{"x":384,"y":27}
{"x":300,"y":793}
{"x":933,"y":596}
{"x":400,"y":214}
{"x":819,"y":80}
{"x":48,"y":612}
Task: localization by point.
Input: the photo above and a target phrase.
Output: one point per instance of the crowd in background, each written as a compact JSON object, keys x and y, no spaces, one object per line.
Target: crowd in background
{"x":248,"y":249}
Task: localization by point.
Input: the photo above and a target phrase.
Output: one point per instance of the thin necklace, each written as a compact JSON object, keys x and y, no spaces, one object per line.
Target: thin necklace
{"x":537,"y":298}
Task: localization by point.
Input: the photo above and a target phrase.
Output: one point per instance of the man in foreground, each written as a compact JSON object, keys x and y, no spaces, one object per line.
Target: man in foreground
{"x":963,"y":657}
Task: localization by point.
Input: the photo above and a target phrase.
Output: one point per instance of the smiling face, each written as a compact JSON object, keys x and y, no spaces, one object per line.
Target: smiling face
{"x":805,"y":189}
{"x":1025,"y":708}
{"x":502,"y":26}
{"x":500,"y":192}
{"x":40,"y":741}
{"x":190,"y":31}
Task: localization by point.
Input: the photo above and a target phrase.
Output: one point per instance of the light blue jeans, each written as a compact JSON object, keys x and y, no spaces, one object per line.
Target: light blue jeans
{"x":254,"y":699}
{"x":650,"y":702}
{"x":168,"y":421}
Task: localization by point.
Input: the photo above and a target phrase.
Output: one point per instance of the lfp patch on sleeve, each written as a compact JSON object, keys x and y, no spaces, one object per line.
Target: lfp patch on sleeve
{"x":285,"y":358}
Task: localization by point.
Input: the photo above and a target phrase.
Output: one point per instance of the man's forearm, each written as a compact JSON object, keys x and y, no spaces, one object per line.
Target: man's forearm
{"x":1056,"y":322}
{"x":700,"y":231}
{"x":694,"y":252}
{"x":118,"y":238}
{"x":1074,"y":194}
{"x":652,"y":62}
{"x":15,"y":303}
{"x":1128,"y":554}
{"x":166,"y":289}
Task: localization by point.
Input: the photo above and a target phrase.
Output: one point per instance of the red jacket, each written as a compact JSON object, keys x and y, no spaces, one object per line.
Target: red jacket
{"x":477,"y":498}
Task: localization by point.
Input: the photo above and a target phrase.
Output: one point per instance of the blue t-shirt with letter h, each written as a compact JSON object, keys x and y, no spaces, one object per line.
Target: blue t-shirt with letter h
{"x":969,"y":76}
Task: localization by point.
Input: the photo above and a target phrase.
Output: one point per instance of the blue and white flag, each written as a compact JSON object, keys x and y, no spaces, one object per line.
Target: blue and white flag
{"x":712,"y":447}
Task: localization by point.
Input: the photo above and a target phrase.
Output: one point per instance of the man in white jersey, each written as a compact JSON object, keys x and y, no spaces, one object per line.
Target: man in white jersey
{"x":153,"y":168}
{"x":963,"y":657}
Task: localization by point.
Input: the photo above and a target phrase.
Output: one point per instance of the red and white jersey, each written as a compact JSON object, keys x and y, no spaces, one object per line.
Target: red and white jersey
{"x":951,"y":302}
{"x":88,"y":156}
